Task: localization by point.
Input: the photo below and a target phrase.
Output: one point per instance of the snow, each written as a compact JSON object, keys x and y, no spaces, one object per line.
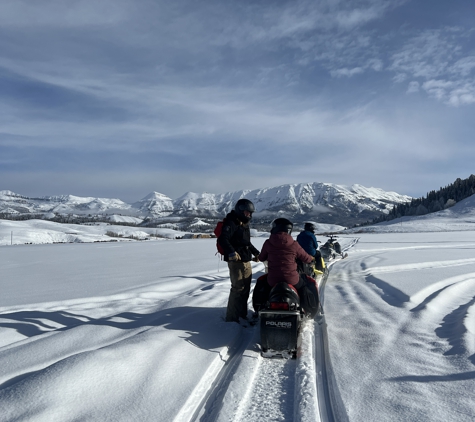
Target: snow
{"x":199,"y":223}
{"x":40,"y":232}
{"x":326,"y":228}
{"x":154,"y":203}
{"x":124,"y":219}
{"x":460,"y":217}
{"x":399,"y":314}
{"x":134,"y":331}
{"x":298,"y":199}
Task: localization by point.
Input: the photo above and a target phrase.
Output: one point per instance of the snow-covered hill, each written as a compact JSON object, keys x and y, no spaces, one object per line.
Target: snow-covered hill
{"x":11,"y":202}
{"x":460,"y":217}
{"x":154,"y":203}
{"x":325,"y":202}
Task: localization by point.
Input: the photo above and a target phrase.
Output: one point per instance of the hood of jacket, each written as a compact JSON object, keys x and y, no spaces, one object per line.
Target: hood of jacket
{"x":280,"y":239}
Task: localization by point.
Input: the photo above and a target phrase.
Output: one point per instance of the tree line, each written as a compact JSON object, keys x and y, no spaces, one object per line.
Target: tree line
{"x":434,"y":201}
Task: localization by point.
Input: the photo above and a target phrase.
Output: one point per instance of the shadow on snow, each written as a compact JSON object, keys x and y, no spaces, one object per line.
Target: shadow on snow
{"x":198,"y":322}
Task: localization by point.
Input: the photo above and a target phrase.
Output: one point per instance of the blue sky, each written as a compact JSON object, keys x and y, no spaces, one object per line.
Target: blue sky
{"x":118,"y":98}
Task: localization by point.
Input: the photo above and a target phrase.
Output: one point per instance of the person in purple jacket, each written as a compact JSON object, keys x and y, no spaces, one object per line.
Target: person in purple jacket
{"x":281,"y":252}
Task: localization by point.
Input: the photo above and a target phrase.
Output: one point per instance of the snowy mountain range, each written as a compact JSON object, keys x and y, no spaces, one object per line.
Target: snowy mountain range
{"x":325,"y":202}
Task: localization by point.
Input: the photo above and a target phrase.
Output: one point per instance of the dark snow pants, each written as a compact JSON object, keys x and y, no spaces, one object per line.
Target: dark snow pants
{"x":241,"y":275}
{"x":308,"y":294}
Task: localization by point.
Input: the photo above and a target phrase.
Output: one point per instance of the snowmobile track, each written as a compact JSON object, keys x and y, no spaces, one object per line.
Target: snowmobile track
{"x":208,"y":407}
{"x":330,"y":405}
{"x":301,"y":389}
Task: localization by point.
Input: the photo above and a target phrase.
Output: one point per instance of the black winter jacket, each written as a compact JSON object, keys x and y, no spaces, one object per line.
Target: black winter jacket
{"x":236,"y":237}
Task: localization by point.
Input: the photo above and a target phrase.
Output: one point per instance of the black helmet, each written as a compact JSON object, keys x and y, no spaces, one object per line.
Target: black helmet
{"x":310,"y":227}
{"x":244,"y":205}
{"x":282,"y":225}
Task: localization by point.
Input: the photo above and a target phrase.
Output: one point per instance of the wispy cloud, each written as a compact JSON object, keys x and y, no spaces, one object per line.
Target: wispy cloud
{"x":188,"y":88}
{"x":413,"y":87}
{"x":438,"y":59}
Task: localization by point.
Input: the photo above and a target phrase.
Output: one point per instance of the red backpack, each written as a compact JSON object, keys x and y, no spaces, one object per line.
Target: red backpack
{"x":217,"y":231}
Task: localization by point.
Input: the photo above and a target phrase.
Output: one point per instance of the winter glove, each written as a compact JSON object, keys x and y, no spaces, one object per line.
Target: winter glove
{"x":234,"y":257}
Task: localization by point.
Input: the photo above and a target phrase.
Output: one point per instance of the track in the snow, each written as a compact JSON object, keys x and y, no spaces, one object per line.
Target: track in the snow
{"x":250,"y":387}
{"x":330,"y":405}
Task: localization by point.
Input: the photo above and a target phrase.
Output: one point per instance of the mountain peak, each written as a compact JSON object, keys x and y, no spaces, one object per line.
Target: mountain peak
{"x":320,"y":202}
{"x":155,"y":196}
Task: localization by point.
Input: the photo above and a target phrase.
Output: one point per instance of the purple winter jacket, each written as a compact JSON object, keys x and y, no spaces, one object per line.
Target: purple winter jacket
{"x":281,"y":251}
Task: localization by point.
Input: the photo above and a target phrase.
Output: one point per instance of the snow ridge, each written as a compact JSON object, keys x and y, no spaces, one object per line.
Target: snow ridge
{"x":293,"y":200}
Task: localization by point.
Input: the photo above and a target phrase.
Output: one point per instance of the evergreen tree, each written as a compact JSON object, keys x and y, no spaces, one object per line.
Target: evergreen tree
{"x":434,"y":201}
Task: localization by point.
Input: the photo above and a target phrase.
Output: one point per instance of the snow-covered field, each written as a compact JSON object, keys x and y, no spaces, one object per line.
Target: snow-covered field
{"x":42,"y":232}
{"x":134,"y":331}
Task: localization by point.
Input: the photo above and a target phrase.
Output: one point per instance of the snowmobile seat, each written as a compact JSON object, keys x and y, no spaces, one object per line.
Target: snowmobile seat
{"x":284,"y":293}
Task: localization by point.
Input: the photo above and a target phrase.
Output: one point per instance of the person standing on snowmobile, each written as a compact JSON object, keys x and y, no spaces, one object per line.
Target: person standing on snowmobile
{"x":235,"y":239}
{"x":281,"y":252}
{"x":309,"y":244}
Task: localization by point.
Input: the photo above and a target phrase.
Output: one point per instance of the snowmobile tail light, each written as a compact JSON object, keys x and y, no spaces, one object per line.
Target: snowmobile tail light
{"x":279,"y":305}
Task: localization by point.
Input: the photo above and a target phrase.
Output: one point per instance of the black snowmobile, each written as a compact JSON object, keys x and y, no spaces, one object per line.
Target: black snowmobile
{"x":282,"y":308}
{"x":282,"y":314}
{"x":331,"y":249}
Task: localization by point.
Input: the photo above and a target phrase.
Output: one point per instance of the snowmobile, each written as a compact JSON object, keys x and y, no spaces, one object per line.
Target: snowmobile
{"x":282,"y":314}
{"x":331,"y":249}
{"x":315,"y":269}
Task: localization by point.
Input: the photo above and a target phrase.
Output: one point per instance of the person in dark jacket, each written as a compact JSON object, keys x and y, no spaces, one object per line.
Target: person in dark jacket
{"x":235,"y":239}
{"x":308,"y":241}
{"x":281,"y":252}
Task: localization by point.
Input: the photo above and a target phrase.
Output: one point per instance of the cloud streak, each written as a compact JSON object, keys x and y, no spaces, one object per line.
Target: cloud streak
{"x":259,"y":94}
{"x":435,"y":59}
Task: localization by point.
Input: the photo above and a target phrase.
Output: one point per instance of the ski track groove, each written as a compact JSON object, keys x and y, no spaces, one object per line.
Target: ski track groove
{"x":205,"y":402}
{"x":273,"y":391}
{"x":330,"y":407}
